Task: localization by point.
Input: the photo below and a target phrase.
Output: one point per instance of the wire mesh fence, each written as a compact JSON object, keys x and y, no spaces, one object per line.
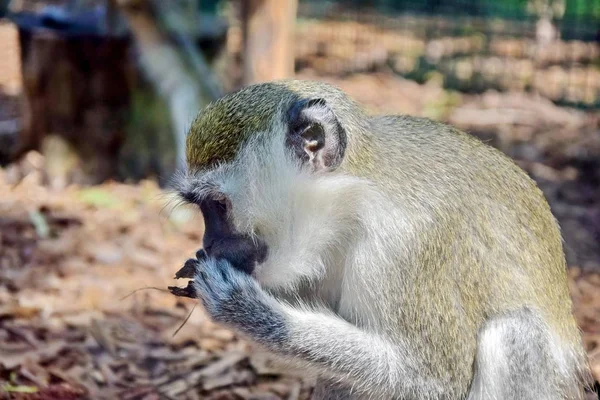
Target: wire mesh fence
{"x":551,"y":47}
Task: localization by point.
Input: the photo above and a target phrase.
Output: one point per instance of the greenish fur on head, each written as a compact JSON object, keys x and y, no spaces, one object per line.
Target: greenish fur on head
{"x":219,"y":131}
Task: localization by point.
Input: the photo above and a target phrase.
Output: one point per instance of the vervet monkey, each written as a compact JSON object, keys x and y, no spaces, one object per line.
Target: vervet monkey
{"x":393,"y":256}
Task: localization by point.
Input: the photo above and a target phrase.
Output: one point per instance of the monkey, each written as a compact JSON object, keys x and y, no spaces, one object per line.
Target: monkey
{"x":390,"y":256}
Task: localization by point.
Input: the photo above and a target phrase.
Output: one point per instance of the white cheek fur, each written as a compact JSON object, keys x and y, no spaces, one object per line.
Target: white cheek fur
{"x":305,"y":219}
{"x":302,"y":217}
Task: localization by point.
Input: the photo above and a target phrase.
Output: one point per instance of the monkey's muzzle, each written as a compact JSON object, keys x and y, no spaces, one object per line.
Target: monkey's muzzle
{"x":242,"y":251}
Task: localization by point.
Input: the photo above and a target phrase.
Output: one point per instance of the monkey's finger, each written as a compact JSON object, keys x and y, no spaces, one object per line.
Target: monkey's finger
{"x":188,"y":291}
{"x":203,"y":276}
{"x":188,"y":270}
{"x":201,"y":255}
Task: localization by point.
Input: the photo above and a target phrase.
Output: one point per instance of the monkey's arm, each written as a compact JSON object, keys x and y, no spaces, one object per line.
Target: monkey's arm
{"x":325,"y":342}
{"x":347,"y":353}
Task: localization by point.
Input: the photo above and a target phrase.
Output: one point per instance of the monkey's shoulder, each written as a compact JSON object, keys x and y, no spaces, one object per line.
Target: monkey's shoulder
{"x":420,"y":149}
{"x":419,"y":128}
{"x":437,"y":140}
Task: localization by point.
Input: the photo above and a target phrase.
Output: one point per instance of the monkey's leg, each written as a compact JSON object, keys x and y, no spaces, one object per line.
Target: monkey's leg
{"x":516,"y":360}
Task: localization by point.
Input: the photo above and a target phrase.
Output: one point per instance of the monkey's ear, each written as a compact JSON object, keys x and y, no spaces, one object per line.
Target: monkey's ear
{"x":315,"y":135}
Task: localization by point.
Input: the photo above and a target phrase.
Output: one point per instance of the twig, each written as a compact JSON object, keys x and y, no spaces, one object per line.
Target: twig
{"x":185,"y":320}
{"x":144,"y":288}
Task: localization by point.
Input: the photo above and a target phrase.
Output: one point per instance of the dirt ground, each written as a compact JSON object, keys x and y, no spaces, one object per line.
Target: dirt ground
{"x":74,"y":324}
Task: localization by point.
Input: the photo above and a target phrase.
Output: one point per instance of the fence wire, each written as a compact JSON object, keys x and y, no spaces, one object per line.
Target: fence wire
{"x":551,"y":47}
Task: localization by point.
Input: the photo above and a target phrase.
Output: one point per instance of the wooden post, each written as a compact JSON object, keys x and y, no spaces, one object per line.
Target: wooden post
{"x":268,"y":39}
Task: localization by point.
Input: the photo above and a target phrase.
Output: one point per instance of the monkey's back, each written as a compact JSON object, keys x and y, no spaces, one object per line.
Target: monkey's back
{"x":484,"y":234}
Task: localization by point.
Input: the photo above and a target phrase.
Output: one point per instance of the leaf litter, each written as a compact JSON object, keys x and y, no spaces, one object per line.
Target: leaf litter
{"x":80,"y":313}
{"x":83,"y":315}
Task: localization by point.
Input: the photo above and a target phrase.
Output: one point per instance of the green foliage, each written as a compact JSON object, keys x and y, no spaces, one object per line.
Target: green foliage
{"x":40,"y":224}
{"x":209,"y":6}
{"x":441,"y":107}
{"x":97,"y":198}
{"x":583,"y":8}
{"x":19,"y":389}
{"x":516,"y":9}
{"x":13,"y":387}
{"x":150,"y":145}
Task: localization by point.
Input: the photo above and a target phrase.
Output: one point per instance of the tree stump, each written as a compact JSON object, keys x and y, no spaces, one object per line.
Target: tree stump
{"x":78,"y":87}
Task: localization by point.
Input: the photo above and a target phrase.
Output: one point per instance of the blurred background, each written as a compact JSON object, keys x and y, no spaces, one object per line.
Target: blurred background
{"x":95,"y":100}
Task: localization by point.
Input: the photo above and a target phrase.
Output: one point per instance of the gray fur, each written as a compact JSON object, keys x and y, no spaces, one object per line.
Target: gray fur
{"x":233,"y":298}
{"x":408,"y":272}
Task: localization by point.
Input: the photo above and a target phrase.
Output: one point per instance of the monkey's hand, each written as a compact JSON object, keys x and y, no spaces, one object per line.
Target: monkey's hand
{"x":232,"y":298}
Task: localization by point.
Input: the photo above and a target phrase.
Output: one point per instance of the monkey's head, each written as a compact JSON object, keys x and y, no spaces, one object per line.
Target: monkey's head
{"x":265,"y":166}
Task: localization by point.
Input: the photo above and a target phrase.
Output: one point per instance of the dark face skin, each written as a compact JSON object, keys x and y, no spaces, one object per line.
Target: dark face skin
{"x":222,"y":241}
